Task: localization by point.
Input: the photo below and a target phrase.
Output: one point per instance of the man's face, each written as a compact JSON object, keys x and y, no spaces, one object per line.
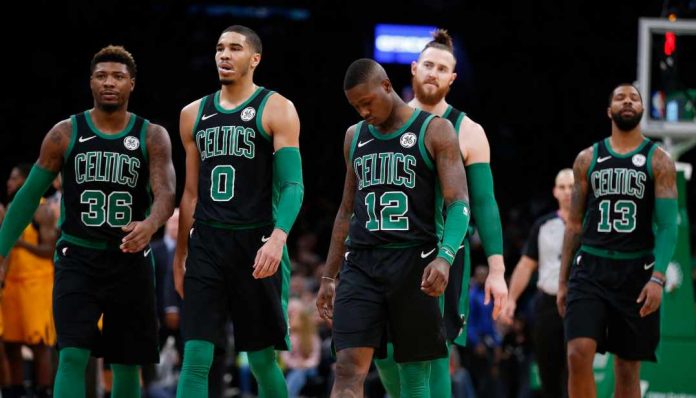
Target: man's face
{"x":626,"y":108}
{"x":234,"y":57}
{"x":372,"y":100}
{"x":432,"y":75}
{"x":111,"y":85}
{"x":563,"y":189}
{"x":14,"y":182}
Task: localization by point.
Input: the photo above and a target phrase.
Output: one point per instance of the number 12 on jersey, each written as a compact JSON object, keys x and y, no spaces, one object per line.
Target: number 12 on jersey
{"x":392,"y":215}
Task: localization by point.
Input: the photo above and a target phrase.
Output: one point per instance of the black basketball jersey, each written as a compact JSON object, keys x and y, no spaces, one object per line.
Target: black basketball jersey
{"x":106,"y":180}
{"x":235,"y":181}
{"x":397,"y":200}
{"x":455,"y":116}
{"x":620,"y":199}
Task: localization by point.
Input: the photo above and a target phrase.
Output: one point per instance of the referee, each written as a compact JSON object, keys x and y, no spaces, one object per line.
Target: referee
{"x":543,"y":250}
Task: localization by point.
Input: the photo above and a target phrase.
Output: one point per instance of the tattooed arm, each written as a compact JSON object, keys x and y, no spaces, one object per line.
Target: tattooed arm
{"x":573,"y":229}
{"x":163,"y":181}
{"x":28,"y":197}
{"x":666,"y":214}
{"x":326,"y":294}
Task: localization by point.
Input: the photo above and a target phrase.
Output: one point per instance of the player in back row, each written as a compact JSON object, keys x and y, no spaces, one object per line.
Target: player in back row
{"x":432,"y":76}
{"x":118,"y":189}
{"x":244,"y":188}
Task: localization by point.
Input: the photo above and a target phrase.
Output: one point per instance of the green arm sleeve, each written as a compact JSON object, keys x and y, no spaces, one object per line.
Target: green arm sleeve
{"x":485,"y":208}
{"x":665,"y":233}
{"x":456,"y":224}
{"x":287,"y":179}
{"x":23,"y":207}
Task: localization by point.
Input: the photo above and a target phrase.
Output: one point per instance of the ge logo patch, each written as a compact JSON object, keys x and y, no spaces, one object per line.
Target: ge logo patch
{"x":408,"y":140}
{"x":131,"y":143}
{"x":638,"y":160}
{"x":248,"y":113}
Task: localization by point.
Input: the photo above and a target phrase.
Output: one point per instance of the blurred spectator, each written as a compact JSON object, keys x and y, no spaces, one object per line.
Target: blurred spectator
{"x":303,"y":358}
{"x":483,"y":341}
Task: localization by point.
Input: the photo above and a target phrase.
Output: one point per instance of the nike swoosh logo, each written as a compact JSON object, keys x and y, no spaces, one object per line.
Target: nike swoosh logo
{"x":600,"y":160}
{"x":578,"y":260}
{"x":65,"y":250}
{"x":346,"y":255}
{"x":191,"y":232}
{"x":424,"y":255}
{"x":362,"y":144}
{"x":265,"y":239}
{"x":85,"y":139}
{"x":648,"y":266}
{"x":146,"y":252}
{"x":206,"y":117}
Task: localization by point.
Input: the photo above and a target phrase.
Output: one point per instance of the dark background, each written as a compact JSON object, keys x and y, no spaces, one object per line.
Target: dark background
{"x":536,"y":75}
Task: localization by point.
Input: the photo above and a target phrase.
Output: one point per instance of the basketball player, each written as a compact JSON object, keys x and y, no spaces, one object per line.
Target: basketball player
{"x":432,"y":75}
{"x":542,"y":252}
{"x":402,"y":162}
{"x":27,"y":301}
{"x":244,"y":182}
{"x":113,"y":163}
{"x":611,"y":300}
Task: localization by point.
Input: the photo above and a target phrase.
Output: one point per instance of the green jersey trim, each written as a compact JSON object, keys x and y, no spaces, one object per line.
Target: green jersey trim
{"x":459,"y":122}
{"x":595,"y":154}
{"x":614,"y":254}
{"x":625,"y":155}
{"x":259,"y":115}
{"x":447,"y":111}
{"x":421,"y":143}
{"x":220,"y":109}
{"x":89,"y":243}
{"x":375,"y":133}
{"x":73,"y":138}
{"x":198,"y":117}
{"x":120,"y":134}
{"x":234,"y":227}
{"x":648,"y":163}
{"x":354,"y":143}
{"x":143,"y":139}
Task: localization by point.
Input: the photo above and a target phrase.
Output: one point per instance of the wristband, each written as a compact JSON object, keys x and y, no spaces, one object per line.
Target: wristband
{"x":657,"y":280}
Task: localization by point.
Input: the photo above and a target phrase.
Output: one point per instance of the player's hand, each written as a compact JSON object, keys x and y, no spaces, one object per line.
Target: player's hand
{"x":140,"y":233}
{"x":269,"y":255}
{"x":651,"y":297}
{"x":508,"y":314}
{"x":561,"y":299}
{"x":325,"y":299}
{"x":435,"y":277}
{"x":497,"y":288}
{"x":179,"y":269}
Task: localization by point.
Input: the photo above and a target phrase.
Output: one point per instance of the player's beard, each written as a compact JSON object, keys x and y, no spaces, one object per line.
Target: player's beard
{"x":109,"y":108}
{"x":428,"y":97}
{"x":627,"y":123}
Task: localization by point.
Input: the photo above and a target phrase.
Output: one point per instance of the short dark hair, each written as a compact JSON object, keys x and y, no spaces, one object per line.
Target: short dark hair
{"x":362,"y":71}
{"x":441,"y":40}
{"x":611,"y":94}
{"x":113,"y":53}
{"x":24,"y":169}
{"x":251,"y":37}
